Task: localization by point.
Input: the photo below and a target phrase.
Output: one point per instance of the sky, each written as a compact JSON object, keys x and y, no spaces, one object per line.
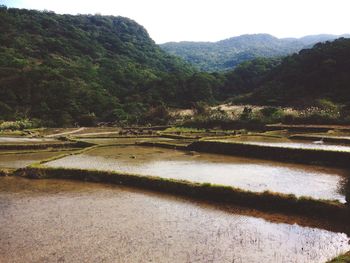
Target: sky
{"x":212,"y":20}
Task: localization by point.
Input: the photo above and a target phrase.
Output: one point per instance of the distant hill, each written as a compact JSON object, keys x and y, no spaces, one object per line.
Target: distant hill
{"x":84,"y":69}
{"x":65,"y":69}
{"x":321,"y":72}
{"x":227,"y":54}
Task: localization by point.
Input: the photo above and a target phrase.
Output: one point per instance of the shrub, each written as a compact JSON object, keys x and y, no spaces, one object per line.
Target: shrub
{"x":218,"y":118}
{"x":88,"y":120}
{"x":157,"y":115}
{"x":269,"y":111}
{"x":246,"y":114}
{"x":201,"y":107}
{"x":19,"y":125}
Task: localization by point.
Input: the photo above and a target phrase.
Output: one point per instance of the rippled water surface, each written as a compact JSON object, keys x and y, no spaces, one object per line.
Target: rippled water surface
{"x":64,"y":221}
{"x":249,"y":174}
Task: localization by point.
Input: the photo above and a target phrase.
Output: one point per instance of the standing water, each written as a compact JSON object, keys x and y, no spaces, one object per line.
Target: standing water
{"x":64,"y":221}
{"x":249,"y":174}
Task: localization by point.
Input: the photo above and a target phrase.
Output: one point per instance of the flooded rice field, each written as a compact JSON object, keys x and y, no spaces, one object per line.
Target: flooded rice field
{"x":286,"y":143}
{"x":64,"y":221}
{"x":22,"y":140}
{"x":305,"y":145}
{"x":15,"y":160}
{"x":249,"y":174}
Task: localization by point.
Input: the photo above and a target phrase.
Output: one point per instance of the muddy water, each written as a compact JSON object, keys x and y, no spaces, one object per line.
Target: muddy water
{"x":250,"y":174}
{"x":20,"y":160}
{"x":277,"y":142}
{"x":63,"y":221}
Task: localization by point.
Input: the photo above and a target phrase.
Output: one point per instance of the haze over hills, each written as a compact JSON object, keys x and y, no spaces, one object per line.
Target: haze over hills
{"x":227,"y":54}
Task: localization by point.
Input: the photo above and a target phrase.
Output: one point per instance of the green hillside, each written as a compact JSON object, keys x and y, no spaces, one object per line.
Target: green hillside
{"x":322,"y":72}
{"x":227,"y":54}
{"x":65,"y":69}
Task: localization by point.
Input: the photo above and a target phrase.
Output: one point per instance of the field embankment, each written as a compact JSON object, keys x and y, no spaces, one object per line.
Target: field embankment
{"x":305,"y":156}
{"x":266,"y":201}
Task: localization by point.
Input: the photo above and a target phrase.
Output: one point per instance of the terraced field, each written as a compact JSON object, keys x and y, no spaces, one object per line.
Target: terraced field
{"x":288,"y":212}
{"x":50,"y":220}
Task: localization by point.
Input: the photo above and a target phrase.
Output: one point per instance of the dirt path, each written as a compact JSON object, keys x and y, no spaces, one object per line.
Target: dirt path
{"x":65,"y":133}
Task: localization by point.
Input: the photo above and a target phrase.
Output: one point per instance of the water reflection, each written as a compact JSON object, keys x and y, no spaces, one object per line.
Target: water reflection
{"x":250,"y":174}
{"x":7,"y":140}
{"x":294,"y":145}
{"x":80,"y":222}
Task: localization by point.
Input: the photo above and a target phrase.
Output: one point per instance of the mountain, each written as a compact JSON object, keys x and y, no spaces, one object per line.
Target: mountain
{"x":227,"y":54}
{"x":312,"y":39}
{"x":64,"y":69}
{"x":321,"y":72}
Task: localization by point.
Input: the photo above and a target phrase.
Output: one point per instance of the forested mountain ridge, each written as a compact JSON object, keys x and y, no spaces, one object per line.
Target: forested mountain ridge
{"x":321,"y":72}
{"x":64,"y":68}
{"x":227,"y":54}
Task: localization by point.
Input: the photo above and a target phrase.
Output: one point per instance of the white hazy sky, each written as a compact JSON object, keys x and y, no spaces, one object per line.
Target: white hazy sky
{"x":212,"y":20}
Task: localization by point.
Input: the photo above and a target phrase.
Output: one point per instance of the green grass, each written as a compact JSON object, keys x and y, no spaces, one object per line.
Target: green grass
{"x":12,"y":133}
{"x":176,"y":136}
{"x":183,"y":130}
{"x":341,"y":259}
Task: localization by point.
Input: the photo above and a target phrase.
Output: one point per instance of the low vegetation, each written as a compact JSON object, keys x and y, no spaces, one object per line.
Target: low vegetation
{"x":18,"y":125}
{"x":251,"y":117}
{"x":341,"y":259}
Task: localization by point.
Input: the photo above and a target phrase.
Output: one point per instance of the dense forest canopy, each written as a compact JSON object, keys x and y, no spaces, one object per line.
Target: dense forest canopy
{"x":227,"y":54}
{"x":64,"y":68}
{"x":322,"y":72}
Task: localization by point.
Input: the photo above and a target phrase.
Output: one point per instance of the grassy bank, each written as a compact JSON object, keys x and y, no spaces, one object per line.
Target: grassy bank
{"x":178,"y":136}
{"x":108,"y":136}
{"x":164,"y":145}
{"x":266,"y":201}
{"x":341,"y":259}
{"x":305,"y":156}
